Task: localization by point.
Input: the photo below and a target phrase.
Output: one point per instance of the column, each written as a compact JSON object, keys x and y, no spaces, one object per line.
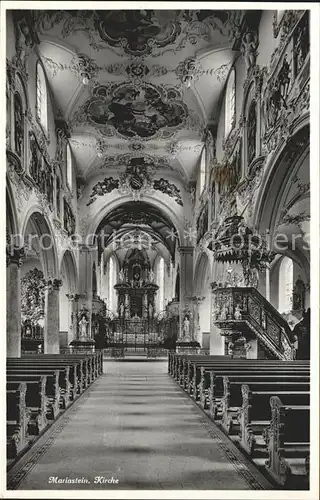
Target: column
{"x":258,"y":86}
{"x":268,"y":282}
{"x":196,"y":305}
{"x":51,"y":325}
{"x":217,"y":341}
{"x":251,"y":348}
{"x":244,"y":162}
{"x":186,"y":309}
{"x":73,"y":307}
{"x":127,"y":306}
{"x":87,"y":256}
{"x":145,"y":306}
{"x":14,"y":262}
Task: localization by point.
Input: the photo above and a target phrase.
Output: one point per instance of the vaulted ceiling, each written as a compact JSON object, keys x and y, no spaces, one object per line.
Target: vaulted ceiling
{"x":136,"y":83}
{"x":137,"y":224}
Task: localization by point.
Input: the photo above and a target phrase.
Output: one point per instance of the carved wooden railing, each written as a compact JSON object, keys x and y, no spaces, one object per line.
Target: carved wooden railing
{"x":244,"y":310}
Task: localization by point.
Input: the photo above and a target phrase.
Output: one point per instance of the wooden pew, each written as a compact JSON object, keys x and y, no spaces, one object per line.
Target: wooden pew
{"x":70,"y":383}
{"x":197,"y":381}
{"x":94,"y":360}
{"x":91,"y":365}
{"x":63,"y":380}
{"x":255,"y":414}
{"x":84,"y":376}
{"x":39,"y":386}
{"x":244,"y":388}
{"x":52,"y":388}
{"x":232,"y":397}
{"x":185,"y":363}
{"x":209,"y":386}
{"x":17,"y":418}
{"x":288,"y":441}
{"x":187,"y":366}
{"x":176,"y":361}
{"x":213,"y":399}
{"x":85,"y":371}
{"x":37,"y":405}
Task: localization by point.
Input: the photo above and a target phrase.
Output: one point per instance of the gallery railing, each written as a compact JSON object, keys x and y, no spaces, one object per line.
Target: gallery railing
{"x":244,"y":310}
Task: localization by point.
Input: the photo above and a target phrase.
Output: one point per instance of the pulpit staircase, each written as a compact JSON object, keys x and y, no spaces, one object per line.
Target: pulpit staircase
{"x":243,"y":311}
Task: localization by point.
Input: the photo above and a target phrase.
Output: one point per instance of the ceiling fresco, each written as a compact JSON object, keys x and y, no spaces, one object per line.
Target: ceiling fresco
{"x":139,"y":32}
{"x":146,"y":161}
{"x":137,"y":82}
{"x":136,"y":31}
{"x":134,"y":112}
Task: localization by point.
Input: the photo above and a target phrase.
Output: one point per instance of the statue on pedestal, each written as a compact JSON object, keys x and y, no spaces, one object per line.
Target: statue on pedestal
{"x":248,"y":49}
{"x":150,"y":311}
{"x":237,"y":312}
{"x":151,"y":275}
{"x":121,"y":276}
{"x":83,"y":324}
{"x":224,"y":313}
{"x":230,"y":348}
{"x":121,"y":310}
{"x":186,"y":328}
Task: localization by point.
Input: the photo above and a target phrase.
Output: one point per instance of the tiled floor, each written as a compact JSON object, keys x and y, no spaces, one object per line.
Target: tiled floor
{"x":135,"y":425}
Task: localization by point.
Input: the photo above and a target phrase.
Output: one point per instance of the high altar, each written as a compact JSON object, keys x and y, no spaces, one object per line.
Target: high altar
{"x":136,"y":292}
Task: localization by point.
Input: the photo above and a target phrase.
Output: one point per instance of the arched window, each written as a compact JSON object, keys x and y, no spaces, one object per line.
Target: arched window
{"x":18,"y":125}
{"x":69,"y":167}
{"x":160,"y":283}
{"x":58,"y":199}
{"x":94,"y":280}
{"x":230,"y":103}
{"x":177,"y":287}
{"x":285,"y":285}
{"x":213,"y":202}
{"x":42,"y":99}
{"x":112,"y":279}
{"x":202,"y":179}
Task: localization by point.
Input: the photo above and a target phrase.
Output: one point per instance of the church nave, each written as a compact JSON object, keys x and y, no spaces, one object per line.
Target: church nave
{"x":135,"y":425}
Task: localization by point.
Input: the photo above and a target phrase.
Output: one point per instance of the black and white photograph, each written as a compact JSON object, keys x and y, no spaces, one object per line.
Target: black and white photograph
{"x":161,"y":206}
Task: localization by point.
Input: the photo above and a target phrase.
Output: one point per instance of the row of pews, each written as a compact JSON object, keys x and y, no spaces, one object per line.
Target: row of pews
{"x":39,"y":388}
{"x":263,"y":405}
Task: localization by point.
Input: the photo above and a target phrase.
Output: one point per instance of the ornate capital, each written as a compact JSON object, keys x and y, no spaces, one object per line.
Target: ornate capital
{"x":186,"y":250}
{"x":87,"y":247}
{"x":62,"y":128}
{"x":15,"y":255}
{"x":196,"y":299}
{"x":53,"y":284}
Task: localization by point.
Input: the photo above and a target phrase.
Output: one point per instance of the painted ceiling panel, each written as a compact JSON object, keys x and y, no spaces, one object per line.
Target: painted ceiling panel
{"x":136,"y":80}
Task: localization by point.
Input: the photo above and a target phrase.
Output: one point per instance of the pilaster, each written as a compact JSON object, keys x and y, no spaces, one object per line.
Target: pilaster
{"x":15,"y":257}
{"x":51,"y":325}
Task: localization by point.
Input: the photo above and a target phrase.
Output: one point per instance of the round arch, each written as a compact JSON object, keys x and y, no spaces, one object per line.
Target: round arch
{"x":20,"y":83}
{"x":97,"y":217}
{"x":69,"y":262}
{"x":277,"y":175}
{"x":202,"y":270}
{"x":69,"y":276}
{"x":43,"y":230}
{"x":202,"y":279}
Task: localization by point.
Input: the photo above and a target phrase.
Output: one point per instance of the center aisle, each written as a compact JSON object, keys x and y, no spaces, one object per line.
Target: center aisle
{"x":134,"y":425}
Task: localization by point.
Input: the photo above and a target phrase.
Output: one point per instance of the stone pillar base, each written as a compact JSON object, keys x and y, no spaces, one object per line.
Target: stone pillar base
{"x":188,"y":347}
